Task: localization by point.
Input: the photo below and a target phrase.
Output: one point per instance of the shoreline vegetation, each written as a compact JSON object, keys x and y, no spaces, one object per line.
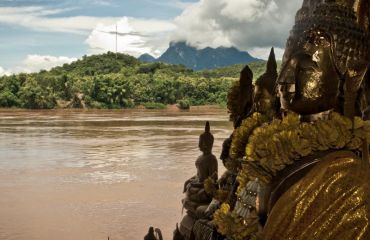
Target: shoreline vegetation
{"x":140,"y":108}
{"x":119,"y":81}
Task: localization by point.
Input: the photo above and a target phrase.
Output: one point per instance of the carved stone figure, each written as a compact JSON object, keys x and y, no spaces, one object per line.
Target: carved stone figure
{"x":197,"y":200}
{"x":206,"y":164}
{"x":240,"y":97}
{"x":264,"y":98}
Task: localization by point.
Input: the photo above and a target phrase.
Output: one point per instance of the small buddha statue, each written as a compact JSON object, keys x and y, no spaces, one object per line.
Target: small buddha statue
{"x":206,"y":163}
{"x":240,"y":97}
{"x":264,"y":98}
{"x":197,"y":200}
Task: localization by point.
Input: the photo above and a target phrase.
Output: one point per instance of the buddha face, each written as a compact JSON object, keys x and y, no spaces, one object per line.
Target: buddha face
{"x":309,"y":80}
{"x":206,"y":143}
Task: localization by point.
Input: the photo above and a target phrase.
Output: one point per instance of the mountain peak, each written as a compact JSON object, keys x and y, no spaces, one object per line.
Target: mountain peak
{"x":147,"y":58}
{"x":206,"y":58}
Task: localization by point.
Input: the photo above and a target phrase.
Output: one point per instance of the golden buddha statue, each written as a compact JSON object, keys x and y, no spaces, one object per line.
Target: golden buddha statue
{"x":322,"y":75}
{"x":306,"y":174}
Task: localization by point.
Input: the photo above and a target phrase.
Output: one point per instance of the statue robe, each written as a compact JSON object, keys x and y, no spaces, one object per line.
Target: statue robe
{"x":331,"y":202}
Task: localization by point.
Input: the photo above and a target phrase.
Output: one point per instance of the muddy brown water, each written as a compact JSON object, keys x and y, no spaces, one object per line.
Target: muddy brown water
{"x":93,"y":174}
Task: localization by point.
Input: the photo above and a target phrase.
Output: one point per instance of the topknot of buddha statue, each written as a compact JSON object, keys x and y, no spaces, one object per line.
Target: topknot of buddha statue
{"x":206,"y":140}
{"x":326,"y":58}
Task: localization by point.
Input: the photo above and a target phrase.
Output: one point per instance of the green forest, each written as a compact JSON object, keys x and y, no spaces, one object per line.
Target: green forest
{"x":119,"y":81}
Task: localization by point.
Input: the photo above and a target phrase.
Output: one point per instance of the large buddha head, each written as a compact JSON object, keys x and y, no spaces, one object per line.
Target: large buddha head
{"x":325,"y":60}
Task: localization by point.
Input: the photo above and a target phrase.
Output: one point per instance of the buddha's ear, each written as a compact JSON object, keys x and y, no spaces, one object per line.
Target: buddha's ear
{"x":354,"y":79}
{"x":287,"y":81}
{"x":366,"y":85}
{"x":355,"y":76}
{"x":363,"y":13}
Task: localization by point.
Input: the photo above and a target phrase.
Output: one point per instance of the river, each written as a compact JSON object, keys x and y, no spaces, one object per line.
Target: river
{"x":74,"y":174}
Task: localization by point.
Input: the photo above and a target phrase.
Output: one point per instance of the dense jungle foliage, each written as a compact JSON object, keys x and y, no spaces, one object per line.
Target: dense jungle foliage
{"x":122,"y":81}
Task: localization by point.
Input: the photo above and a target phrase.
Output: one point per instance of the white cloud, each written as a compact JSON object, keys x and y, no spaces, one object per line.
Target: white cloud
{"x":35,"y":63}
{"x":263,"y":53}
{"x":250,"y":25}
{"x":246,"y":24}
{"x":135,"y":36}
{"x":38,"y":18}
{"x":4,"y":72}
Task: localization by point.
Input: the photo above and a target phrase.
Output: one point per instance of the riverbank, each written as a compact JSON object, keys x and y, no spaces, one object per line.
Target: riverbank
{"x":168,"y":108}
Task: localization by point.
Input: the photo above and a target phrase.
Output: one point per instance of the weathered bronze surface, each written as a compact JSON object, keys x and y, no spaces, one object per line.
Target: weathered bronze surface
{"x":264,"y":91}
{"x":331,"y":202}
{"x":325,"y":69}
{"x":326,"y":59}
{"x":240,"y":97}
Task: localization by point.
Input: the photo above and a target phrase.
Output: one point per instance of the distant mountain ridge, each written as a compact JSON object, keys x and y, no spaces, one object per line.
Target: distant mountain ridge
{"x":200,"y":59}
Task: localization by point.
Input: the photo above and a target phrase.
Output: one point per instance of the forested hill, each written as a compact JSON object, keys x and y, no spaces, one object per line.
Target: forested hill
{"x":119,"y":81}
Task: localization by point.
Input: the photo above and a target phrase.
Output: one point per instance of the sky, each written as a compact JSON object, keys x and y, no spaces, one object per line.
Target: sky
{"x":41,"y":34}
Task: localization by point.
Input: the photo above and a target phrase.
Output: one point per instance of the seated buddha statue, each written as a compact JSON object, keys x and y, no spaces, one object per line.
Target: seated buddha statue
{"x":197,"y":199}
{"x":206,"y":164}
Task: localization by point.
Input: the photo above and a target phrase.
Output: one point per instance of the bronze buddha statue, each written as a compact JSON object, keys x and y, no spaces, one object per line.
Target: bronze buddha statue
{"x":240,"y":97}
{"x":306,"y":174}
{"x":324,"y":67}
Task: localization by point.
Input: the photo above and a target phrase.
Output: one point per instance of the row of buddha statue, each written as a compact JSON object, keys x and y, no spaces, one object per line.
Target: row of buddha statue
{"x":297,"y":162}
{"x":204,"y":192}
